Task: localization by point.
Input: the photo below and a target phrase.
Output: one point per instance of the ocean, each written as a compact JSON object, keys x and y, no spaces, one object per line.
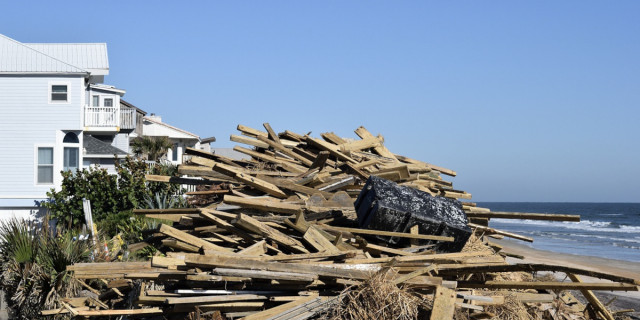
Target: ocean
{"x":607,"y":230}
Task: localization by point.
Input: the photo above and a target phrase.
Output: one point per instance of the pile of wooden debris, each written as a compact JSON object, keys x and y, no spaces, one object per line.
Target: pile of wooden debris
{"x":276,"y":237}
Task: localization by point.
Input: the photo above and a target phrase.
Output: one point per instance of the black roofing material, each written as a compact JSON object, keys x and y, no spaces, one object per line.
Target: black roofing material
{"x":93,"y":146}
{"x":385,"y":205}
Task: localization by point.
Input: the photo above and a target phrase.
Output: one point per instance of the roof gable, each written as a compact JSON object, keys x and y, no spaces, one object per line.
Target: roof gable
{"x":16,"y":57}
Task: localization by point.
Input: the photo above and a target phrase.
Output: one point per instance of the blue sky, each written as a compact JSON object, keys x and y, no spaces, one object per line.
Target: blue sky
{"x":527,"y":101}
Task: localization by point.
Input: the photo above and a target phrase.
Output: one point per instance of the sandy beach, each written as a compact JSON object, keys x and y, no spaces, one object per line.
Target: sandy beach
{"x":624,"y":300}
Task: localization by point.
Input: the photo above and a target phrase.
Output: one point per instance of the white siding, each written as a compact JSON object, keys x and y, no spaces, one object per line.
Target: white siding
{"x":28,"y":119}
{"x":121,"y":141}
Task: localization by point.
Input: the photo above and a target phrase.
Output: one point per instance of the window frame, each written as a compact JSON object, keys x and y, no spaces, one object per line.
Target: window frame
{"x":37,"y":164}
{"x":58,"y":83}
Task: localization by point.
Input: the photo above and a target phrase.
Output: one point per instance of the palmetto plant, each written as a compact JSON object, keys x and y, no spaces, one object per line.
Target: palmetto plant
{"x":153,"y":147}
{"x":33,"y":263}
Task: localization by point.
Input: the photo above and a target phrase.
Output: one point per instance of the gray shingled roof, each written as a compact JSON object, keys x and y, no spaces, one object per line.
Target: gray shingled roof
{"x":93,"y":146}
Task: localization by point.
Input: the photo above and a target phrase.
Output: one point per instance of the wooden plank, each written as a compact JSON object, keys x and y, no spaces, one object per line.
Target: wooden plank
{"x":525,"y":215}
{"x":264,"y":230}
{"x":376,"y":248}
{"x":266,"y":314}
{"x":499,"y":232}
{"x":212,"y":156}
{"x":444,"y":302}
{"x":190,"y":239}
{"x":332,"y":138}
{"x":287,"y":184}
{"x":530,"y":268}
{"x":261,"y":274}
{"x":271,"y":134}
{"x":366,"y":143}
{"x":286,"y":151}
{"x":263,"y":205}
{"x":249,"y":141}
{"x":593,"y":300}
{"x":251,"y":132}
{"x":257,"y":249}
{"x":261,"y":185}
{"x":216,"y":298}
{"x":318,"y":241}
{"x":381,"y":150}
{"x":284,"y":164}
{"x":121,"y":312}
{"x":326,"y":146}
{"x":387,"y":233}
{"x":424,"y":258}
{"x":547,"y":285}
{"x":229,"y":261}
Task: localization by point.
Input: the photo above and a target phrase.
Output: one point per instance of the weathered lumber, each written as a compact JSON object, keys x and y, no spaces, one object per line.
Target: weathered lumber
{"x":264,"y":230}
{"x":525,"y":215}
{"x":120,"y":312}
{"x":547,"y":285}
{"x":500,"y":232}
{"x":593,"y":300}
{"x":216,"y":298}
{"x":218,"y":260}
{"x":190,"y":239}
{"x":387,"y":233}
{"x":443,"y":303}
{"x":263,"y":205}
{"x":267,"y":314}
{"x":261,"y":274}
{"x":525,"y":267}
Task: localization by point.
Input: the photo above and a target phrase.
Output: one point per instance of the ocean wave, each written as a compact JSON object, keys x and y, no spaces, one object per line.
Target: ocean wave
{"x":585,"y":225}
{"x":631,"y":240}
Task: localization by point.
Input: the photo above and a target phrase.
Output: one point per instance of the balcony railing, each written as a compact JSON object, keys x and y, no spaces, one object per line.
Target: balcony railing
{"x":127,"y":118}
{"x":101,"y":116}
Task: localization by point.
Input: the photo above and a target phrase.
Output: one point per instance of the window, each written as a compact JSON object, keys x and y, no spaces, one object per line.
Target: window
{"x":108,"y":102}
{"x":71,"y":159}
{"x":59,"y":93}
{"x":96,"y":101}
{"x":45,"y":165}
{"x":70,"y":137}
{"x":174,"y":153}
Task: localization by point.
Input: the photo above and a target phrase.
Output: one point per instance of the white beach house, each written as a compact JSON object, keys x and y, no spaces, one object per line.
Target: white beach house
{"x":55,"y":114}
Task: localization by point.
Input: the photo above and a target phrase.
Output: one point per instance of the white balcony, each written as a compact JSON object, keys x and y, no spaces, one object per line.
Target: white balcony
{"x":108,"y":119}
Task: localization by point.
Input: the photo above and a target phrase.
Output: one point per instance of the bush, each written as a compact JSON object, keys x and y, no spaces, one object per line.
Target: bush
{"x":33,"y":263}
{"x":112,"y":196}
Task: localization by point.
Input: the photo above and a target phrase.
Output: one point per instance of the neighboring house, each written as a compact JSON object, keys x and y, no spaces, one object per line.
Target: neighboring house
{"x":55,"y":114}
{"x":154,"y":127}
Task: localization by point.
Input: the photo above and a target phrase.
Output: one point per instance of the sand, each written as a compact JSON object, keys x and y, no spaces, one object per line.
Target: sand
{"x":624,"y":300}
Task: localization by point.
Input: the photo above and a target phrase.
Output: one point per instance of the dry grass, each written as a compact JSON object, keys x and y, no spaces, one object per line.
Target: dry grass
{"x":378,"y":299}
{"x":512,"y":309}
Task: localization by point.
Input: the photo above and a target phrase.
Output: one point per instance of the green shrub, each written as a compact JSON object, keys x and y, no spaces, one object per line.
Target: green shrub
{"x":112,"y":196}
{"x":33,"y":264}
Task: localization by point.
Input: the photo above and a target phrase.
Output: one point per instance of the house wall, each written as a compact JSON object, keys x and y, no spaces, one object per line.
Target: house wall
{"x":121,"y":141}
{"x":27,"y":120}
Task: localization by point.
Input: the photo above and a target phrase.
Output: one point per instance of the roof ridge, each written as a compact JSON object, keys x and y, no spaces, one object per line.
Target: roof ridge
{"x":42,"y":53}
{"x":69,"y":43}
{"x":170,"y":126}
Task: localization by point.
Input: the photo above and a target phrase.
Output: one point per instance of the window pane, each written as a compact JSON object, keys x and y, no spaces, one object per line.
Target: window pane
{"x":108,"y":102}
{"x":96,"y":101}
{"x":45,"y":174}
{"x":59,"y":97}
{"x":45,"y":155}
{"x":59,"y":89}
{"x":71,"y":159}
{"x":70,"y":137}
{"x":174,"y":152}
